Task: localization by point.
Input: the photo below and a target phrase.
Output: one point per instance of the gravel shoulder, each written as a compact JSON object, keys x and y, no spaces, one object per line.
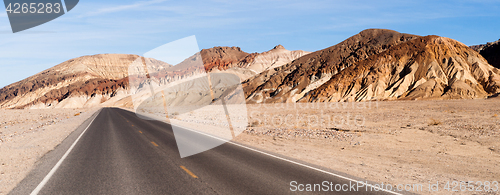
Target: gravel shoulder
{"x":27,"y":135}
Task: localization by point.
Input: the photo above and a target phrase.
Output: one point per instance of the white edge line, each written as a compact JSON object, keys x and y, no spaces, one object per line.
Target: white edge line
{"x":54,"y":169}
{"x":287,"y":160}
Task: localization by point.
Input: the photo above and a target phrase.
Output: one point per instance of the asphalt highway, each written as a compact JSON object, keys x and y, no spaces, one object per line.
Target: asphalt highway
{"x":116,"y":152}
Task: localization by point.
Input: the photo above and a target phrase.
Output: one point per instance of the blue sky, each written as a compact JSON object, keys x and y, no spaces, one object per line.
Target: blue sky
{"x":135,"y":27}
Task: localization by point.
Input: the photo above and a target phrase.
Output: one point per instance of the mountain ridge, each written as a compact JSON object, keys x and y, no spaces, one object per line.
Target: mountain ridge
{"x":427,"y":67}
{"x":288,"y":83}
{"x":91,"y":80}
{"x":57,"y":82}
{"x":375,"y":64}
{"x":490,"y":51}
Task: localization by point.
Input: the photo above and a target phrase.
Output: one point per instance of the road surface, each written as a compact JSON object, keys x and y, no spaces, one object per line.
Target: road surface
{"x":115,"y":152}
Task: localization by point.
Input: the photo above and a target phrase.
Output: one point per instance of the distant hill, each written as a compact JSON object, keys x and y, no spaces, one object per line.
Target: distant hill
{"x":291,"y":82}
{"x":490,"y":51}
{"x":428,"y":67}
{"x":103,"y":79}
{"x":81,"y":82}
{"x":375,"y":64}
{"x":379,"y":64}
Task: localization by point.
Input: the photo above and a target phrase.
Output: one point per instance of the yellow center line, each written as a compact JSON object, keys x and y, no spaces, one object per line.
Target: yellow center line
{"x":140,"y":131}
{"x":189,"y":172}
{"x":154,"y":144}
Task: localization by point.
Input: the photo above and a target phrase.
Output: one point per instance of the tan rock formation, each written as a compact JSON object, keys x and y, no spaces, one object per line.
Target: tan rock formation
{"x":490,"y":51}
{"x":428,"y":67}
{"x":292,"y":81}
{"x":103,"y":79}
{"x":81,"y":78}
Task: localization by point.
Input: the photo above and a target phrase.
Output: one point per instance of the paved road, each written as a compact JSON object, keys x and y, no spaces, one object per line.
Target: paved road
{"x":120,"y":153}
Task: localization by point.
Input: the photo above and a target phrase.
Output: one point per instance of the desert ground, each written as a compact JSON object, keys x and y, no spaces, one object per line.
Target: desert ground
{"x":390,"y":142}
{"x":394,"y":142}
{"x":26,"y":135}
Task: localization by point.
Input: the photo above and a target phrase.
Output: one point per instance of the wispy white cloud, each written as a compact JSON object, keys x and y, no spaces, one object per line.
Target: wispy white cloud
{"x":119,"y":8}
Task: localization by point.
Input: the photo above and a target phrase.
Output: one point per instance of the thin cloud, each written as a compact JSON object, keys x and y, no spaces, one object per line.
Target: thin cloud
{"x":121,"y":8}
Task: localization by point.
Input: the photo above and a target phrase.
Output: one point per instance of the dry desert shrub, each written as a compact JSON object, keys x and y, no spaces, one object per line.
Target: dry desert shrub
{"x":434,"y":122}
{"x":254,"y":124}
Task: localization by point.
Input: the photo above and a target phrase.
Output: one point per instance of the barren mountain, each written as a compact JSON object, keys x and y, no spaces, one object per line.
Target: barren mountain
{"x":81,"y":82}
{"x":245,"y":65}
{"x":215,"y":60}
{"x":428,"y":67}
{"x":221,"y":58}
{"x":490,"y":51}
{"x":292,"y":81}
{"x":374,"y":64}
{"x":379,"y":64}
{"x":92,"y":80}
{"x":274,"y":58}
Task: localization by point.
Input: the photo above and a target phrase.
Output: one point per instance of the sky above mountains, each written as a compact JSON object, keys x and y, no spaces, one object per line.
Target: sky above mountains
{"x":135,"y":27}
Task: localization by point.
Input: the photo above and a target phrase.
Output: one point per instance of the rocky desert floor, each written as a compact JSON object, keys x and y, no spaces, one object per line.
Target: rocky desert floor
{"x":26,"y":135}
{"x":396,"y":142}
{"x":392,"y":142}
